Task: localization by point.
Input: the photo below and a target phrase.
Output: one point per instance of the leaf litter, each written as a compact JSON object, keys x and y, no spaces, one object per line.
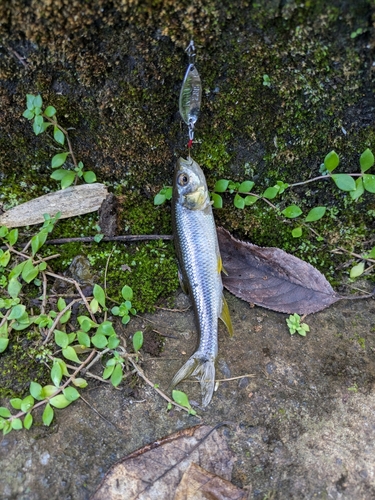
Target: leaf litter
{"x":194,"y":463}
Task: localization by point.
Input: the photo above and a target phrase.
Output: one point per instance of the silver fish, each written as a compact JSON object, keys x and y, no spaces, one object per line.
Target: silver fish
{"x":200,"y":266}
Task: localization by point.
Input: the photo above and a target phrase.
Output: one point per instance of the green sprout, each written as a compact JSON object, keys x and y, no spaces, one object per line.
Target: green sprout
{"x":295,"y":325}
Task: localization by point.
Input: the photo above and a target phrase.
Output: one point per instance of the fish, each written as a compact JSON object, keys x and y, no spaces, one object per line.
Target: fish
{"x":200,"y":268}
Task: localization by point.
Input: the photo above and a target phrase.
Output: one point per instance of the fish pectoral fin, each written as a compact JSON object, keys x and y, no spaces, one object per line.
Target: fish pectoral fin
{"x":225,"y":317}
{"x":201,"y":368}
{"x":220,"y":267}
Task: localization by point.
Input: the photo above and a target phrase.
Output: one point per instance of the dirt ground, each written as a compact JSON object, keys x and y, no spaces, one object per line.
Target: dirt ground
{"x":301,"y":424}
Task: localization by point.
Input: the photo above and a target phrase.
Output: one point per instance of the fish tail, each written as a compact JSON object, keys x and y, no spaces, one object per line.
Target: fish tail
{"x":202,"y":368}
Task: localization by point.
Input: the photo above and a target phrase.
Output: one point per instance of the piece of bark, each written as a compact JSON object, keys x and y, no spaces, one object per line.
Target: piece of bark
{"x":272,"y":278}
{"x":72,"y":201}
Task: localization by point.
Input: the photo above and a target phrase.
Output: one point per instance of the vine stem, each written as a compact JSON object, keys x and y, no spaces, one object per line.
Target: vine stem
{"x":65,"y":132}
{"x":320,"y":177}
{"x":57,"y":319}
{"x":59,"y":389}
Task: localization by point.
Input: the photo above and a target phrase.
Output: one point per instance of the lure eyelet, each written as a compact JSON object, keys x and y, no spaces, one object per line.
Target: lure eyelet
{"x":183,"y":179}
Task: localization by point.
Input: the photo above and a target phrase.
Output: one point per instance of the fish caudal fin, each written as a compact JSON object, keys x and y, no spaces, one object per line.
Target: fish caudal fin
{"x":201,"y":368}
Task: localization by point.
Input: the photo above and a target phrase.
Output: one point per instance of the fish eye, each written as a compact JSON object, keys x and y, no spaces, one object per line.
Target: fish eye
{"x":183,"y":179}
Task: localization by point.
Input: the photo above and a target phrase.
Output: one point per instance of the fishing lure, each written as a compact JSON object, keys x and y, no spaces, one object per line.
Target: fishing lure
{"x":191,"y":94}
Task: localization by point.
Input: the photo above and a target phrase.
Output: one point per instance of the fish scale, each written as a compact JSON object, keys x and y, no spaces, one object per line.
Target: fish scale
{"x":200,"y":265}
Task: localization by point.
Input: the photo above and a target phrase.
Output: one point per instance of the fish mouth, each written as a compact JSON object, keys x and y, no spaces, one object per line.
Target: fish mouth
{"x":197,"y":198}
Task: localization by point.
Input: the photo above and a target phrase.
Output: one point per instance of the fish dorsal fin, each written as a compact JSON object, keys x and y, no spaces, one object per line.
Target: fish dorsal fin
{"x":220,"y":267}
{"x":225,"y":316}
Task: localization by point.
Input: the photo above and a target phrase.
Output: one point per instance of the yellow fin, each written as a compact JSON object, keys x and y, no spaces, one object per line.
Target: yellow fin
{"x":220,"y":267}
{"x":225,"y":317}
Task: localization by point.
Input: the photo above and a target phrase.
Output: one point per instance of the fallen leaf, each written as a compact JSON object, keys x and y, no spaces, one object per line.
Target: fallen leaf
{"x":75,"y":200}
{"x":154,"y":471}
{"x":199,"y":484}
{"x":272,"y":278}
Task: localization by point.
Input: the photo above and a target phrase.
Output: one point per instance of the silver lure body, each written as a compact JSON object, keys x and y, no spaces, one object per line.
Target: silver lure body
{"x":200,"y":267}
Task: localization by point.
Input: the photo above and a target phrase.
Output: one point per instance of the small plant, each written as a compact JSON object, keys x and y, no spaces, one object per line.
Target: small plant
{"x":295,"y":325}
{"x":181,"y":398}
{"x":266,"y":81}
{"x":42,"y":120}
{"x":125,"y":308}
{"x":163,"y":195}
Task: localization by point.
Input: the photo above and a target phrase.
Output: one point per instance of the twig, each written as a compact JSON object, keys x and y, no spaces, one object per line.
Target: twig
{"x":129,"y":237}
{"x":339,"y":250}
{"x":76,"y":284}
{"x":17,"y":56}
{"x":57,"y":319}
{"x":141,"y":373}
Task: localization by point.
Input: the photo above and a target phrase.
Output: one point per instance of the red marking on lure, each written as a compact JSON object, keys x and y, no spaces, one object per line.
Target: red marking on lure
{"x":190,"y":143}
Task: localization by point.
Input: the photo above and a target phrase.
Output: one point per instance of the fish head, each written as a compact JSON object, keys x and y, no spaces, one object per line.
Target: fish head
{"x":189,"y":185}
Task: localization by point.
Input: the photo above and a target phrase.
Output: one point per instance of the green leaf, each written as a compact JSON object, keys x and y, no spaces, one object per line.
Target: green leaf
{"x":68,"y":179}
{"x":246,"y":186}
{"x":331,"y":161}
{"x":47,"y":415}
{"x":71,"y":393}
{"x":106,"y":328}
{"x":38,"y":101}
{"x":17,"y":424}
{"x":315,"y":214}
{"x":250,"y":200}
{"x":116,"y":376}
{"x":297,"y":232}
{"x":127,"y":292}
{"x":83,"y":339}
{"x":56,"y":373}
{"x":168,"y":192}
{"x":61,"y":339}
{"x":89,"y":176}
{"x":359,"y":189}
{"x":181,"y":398}
{"x":344,"y":182}
{"x":108,"y":370}
{"x":113,"y":342}
{"x":80,"y":382}
{"x":69,"y":353}
{"x":99,"y":340}
{"x":239,"y":202}
{"x":292,"y":211}
{"x":17,"y":270}
{"x":99,"y":294}
{"x":98,"y":238}
{"x":61,"y":304}
{"x":159,"y":199}
{"x":4,"y":258}
{"x":28,"y":421}
{"x":27,"y":403}
{"x":59,"y":174}
{"x":3,"y":344}
{"x":58,"y":159}
{"x":369,"y":182}
{"x":115,"y":310}
{"x":357,"y":270}
{"x":48,"y":390}
{"x":371,"y":255}
{"x":16,"y":403}
{"x":125,"y":319}
{"x":28,"y":114}
{"x":13,"y":236}
{"x":14,"y":287}
{"x":271,"y":192}
{"x":17,"y":311}
{"x":366,"y":160}
{"x":3,"y":231}
{"x":29,"y":272}
{"x":50,"y":111}
{"x":221,"y":185}
{"x":86,"y":323}
{"x":58,"y":135}
{"x":94,"y":306}
{"x":137,"y":340}
{"x":217,"y":200}
{"x":38,"y":124}
{"x":59,"y":401}
{"x":5,"y":412}
{"x":36,"y":390}
{"x":30,"y":101}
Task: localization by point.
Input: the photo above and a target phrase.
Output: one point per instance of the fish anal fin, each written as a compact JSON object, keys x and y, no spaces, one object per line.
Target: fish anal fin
{"x":225,"y":317}
{"x":182,"y":281}
{"x":220,"y":267}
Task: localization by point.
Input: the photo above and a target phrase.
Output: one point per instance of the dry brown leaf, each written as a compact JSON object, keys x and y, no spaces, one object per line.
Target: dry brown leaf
{"x":154,"y":471}
{"x":199,"y":484}
{"x":72,"y":201}
{"x":272,"y":278}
